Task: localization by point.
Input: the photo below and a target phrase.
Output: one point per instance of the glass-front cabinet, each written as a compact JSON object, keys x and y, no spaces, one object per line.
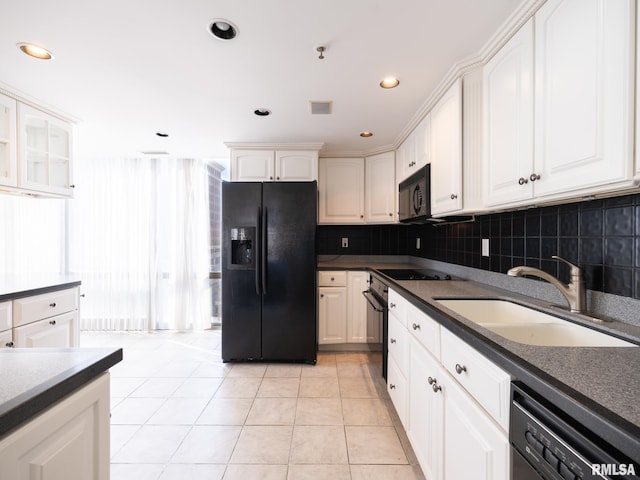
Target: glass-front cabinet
{"x":8,"y":158}
{"x":45,"y":152}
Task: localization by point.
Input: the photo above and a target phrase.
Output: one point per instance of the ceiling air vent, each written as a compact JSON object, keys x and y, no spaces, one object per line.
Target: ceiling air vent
{"x":320,"y":108}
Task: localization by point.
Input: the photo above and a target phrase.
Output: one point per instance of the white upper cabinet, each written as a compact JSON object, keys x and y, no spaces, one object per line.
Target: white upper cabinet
{"x":559,"y":105}
{"x":273,"y":163}
{"x":584,"y":98}
{"x":252,"y":166}
{"x":341,"y":190}
{"x":414,"y":151}
{"x":8,"y":156}
{"x":446,"y":152}
{"x":508,"y":119}
{"x":44,"y":152}
{"x":296,"y":165}
{"x":380,"y":188}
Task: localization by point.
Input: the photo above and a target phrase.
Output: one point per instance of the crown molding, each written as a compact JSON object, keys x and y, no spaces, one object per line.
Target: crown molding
{"x":33,"y":102}
{"x":461,"y":68}
{"x":274,"y":146}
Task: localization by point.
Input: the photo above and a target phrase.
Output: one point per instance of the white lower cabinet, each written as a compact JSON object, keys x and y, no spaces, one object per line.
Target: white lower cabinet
{"x":452,"y":401}
{"x":342,"y":309}
{"x":68,"y":441}
{"x":332,"y":314}
{"x":58,"y":331}
{"x":47,"y":320}
{"x":474,"y":447}
{"x":426,"y":422}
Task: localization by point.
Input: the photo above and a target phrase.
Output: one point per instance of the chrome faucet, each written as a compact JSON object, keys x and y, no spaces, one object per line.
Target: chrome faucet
{"x":574,"y":291}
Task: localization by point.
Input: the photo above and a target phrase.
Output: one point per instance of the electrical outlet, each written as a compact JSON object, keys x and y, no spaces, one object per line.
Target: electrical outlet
{"x":418,"y":243}
{"x":345,"y":242}
{"x":485,"y":247}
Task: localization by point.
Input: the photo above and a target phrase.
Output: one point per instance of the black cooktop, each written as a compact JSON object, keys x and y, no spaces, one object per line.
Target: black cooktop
{"x":415,"y":274}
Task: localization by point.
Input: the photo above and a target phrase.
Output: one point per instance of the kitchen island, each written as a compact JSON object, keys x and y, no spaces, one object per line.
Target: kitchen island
{"x":596,"y":386}
{"x":54,"y":412}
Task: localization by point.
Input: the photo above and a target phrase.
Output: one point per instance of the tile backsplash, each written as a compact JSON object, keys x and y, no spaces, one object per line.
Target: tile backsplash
{"x":602,"y":236}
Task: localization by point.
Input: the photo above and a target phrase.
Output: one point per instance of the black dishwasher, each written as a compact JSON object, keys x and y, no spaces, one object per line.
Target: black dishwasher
{"x":547,"y":444}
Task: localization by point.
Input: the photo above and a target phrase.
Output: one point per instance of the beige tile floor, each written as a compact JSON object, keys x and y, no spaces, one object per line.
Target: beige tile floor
{"x":178,"y":412}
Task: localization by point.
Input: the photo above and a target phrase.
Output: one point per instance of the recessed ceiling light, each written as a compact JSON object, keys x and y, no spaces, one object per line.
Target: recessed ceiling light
{"x":223,"y":29}
{"x":366,"y":134}
{"x":35,"y":51}
{"x":162,"y":134}
{"x":390,"y":82}
{"x":262,"y":112}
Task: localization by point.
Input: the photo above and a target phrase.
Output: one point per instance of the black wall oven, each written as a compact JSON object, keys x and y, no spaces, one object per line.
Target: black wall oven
{"x":377,"y":313}
{"x":547,"y":444}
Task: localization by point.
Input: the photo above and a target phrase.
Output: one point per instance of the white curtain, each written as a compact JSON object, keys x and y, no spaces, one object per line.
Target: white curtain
{"x":32,"y":235}
{"x":139,"y":239}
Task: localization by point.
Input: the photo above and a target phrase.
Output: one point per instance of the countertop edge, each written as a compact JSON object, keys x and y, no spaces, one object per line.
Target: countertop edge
{"x":27,"y":405}
{"x":30,"y":291}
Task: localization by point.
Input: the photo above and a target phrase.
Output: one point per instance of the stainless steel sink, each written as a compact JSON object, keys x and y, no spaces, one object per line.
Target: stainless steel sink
{"x":526,"y":325}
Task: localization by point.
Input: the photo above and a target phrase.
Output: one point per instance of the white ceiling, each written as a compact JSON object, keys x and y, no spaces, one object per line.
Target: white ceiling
{"x":127,"y":69}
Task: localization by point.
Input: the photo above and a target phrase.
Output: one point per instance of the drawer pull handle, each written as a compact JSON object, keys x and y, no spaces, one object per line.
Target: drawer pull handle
{"x":522,"y":181}
{"x":534,"y":176}
{"x":392,"y":305}
{"x":52,"y":305}
{"x":9,"y":344}
{"x":460,"y":368}
{"x":436,"y":388}
{"x":416,"y":326}
{"x":52,"y":322}
{"x":322,"y":295}
{"x":332,"y":279}
{"x":392,"y":340}
{"x":392,"y":386}
{"x":431,"y":380}
{"x":453,"y":196}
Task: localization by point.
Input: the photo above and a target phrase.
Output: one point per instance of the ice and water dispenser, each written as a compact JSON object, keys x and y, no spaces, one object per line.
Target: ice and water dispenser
{"x":243,"y":244}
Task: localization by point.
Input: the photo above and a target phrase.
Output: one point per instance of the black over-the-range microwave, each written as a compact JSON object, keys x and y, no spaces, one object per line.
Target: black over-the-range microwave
{"x":414,"y":202}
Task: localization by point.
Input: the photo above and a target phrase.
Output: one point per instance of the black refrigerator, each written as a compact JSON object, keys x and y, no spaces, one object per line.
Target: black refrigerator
{"x":269,"y":271}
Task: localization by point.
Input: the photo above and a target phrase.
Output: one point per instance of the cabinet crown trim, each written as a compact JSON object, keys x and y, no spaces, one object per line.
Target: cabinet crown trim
{"x":274,"y":146}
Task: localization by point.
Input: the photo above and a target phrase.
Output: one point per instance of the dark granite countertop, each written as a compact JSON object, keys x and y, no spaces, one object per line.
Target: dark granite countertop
{"x":17,"y":286}
{"x":598,"y":386}
{"x":34,"y":378}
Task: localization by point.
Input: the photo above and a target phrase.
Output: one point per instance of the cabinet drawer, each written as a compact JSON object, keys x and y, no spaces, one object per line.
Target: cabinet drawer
{"x":487,"y":383}
{"x":397,"y":306}
{"x":397,"y":388}
{"x":58,"y":331}
{"x":5,"y":316}
{"x":332,"y":279}
{"x":425,"y":329}
{"x":37,"y":307}
{"x":399,"y":344}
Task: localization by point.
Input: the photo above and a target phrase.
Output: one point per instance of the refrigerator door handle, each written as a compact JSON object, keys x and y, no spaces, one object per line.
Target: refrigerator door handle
{"x":258,"y":252}
{"x":263,"y":251}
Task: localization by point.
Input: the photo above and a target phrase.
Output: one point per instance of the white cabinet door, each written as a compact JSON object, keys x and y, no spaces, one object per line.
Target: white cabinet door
{"x":584,"y":57}
{"x":423,"y":143}
{"x":381,"y":191}
{"x":508,"y":120}
{"x":473,"y":446}
{"x":252,"y":166}
{"x":446,"y":152}
{"x":8,"y":137}
{"x":332,"y":315}
{"x":426,"y":411}
{"x":296,"y":165}
{"x":397,"y":389}
{"x":6,"y":339}
{"x":357,"y":327}
{"x":44,"y":152}
{"x":69,"y":441}
{"x":59,"y":331}
{"x":341,"y":190}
